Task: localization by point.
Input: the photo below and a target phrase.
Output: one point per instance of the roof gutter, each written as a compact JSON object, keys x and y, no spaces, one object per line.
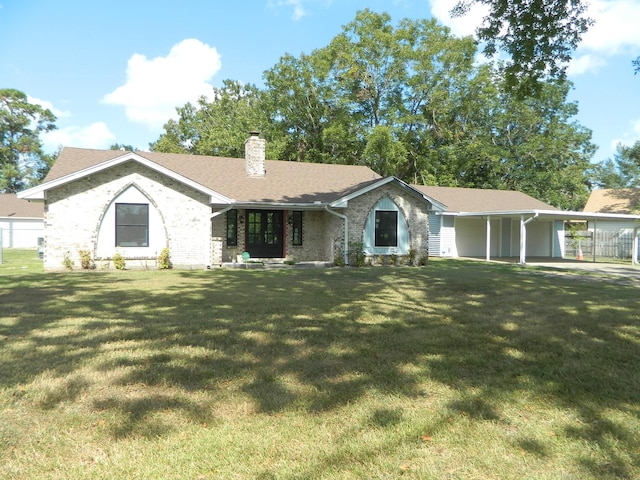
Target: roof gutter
{"x":346,"y":233}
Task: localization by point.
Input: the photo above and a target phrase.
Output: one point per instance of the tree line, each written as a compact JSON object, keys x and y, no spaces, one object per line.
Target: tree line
{"x":406,"y":99}
{"x":409,"y":100}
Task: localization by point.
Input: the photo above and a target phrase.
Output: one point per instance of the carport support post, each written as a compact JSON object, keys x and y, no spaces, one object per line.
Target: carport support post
{"x":523,"y":240}
{"x":634,"y":254}
{"x":488,"y":253}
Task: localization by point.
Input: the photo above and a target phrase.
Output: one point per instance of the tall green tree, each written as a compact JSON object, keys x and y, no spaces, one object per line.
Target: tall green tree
{"x":216,"y":127}
{"x":623,"y":171}
{"x":544,"y":151}
{"x":409,"y":100}
{"x":539,"y":36}
{"x":22,"y":160}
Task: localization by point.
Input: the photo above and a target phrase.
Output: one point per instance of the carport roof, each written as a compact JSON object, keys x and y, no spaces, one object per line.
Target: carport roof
{"x":461,"y":199}
{"x":548,"y":214}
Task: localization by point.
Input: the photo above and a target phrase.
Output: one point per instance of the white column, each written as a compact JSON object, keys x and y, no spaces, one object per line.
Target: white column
{"x":523,"y":241}
{"x":488,"y":252}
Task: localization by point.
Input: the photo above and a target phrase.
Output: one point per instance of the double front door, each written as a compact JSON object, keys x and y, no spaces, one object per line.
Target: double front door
{"x":265,"y":233}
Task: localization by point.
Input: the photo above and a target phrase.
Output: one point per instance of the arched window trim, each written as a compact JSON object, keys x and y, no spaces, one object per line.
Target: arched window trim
{"x":386,"y":204}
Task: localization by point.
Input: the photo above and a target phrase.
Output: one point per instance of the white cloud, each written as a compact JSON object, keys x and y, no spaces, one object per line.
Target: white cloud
{"x":616,"y":27}
{"x":630,"y":137}
{"x":97,"y":135}
{"x":155,"y":87}
{"x":46,"y":104}
{"x":298,"y":9}
{"x":585,"y":63}
{"x":614,"y":32}
{"x":460,"y":26}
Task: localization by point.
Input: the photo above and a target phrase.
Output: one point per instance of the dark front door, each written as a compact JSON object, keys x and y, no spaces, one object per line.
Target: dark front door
{"x":264,"y":233}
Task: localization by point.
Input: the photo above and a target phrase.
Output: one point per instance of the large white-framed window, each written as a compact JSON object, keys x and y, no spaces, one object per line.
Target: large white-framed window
{"x":132,"y":226}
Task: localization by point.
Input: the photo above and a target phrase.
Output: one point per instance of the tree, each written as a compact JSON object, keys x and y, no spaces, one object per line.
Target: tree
{"x":217,"y":127}
{"x":538,"y":35}
{"x":22,"y":161}
{"x":407,"y":100}
{"x":623,"y":171}
{"x":123,"y":147}
{"x":543,"y":152}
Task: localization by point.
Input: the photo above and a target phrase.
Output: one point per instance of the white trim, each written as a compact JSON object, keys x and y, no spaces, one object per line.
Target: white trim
{"x":344,"y":201}
{"x":549,"y":214}
{"x":39,"y":192}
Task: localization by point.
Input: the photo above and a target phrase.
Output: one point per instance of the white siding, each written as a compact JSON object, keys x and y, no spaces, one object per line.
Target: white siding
{"x":21,"y":232}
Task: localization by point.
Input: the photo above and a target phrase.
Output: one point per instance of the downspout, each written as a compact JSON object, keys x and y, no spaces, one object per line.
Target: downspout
{"x":523,"y":236}
{"x":346,"y":232}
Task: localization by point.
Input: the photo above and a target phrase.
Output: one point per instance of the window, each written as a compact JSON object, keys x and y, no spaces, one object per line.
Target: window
{"x":386,"y":228}
{"x":232,"y":228}
{"x":132,"y":225}
{"x":296,"y":228}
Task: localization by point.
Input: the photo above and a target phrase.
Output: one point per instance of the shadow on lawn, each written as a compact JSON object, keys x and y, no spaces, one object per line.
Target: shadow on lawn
{"x":319,"y":339}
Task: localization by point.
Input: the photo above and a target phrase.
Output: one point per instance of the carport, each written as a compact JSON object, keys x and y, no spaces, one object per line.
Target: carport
{"x":556,"y":219}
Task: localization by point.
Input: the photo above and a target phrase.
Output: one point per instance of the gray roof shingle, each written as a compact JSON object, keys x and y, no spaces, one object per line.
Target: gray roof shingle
{"x":284,"y":182}
{"x":458,"y":199}
{"x":12,"y":206}
{"x":614,"y":200}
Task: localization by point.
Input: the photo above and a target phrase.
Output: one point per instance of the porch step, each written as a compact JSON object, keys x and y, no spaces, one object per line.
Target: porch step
{"x":272,"y":266}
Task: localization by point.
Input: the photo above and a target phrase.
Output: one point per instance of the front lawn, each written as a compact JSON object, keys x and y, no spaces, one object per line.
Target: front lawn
{"x":457,"y":370}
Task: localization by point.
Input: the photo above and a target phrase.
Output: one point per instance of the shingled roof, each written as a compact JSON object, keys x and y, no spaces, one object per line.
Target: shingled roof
{"x":614,"y":200}
{"x":14,"y":207}
{"x":284,"y":182}
{"x":471,"y":200}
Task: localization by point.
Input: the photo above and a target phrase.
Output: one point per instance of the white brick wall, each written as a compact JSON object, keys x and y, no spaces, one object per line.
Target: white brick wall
{"x":75,"y":212}
{"x":78,"y":217}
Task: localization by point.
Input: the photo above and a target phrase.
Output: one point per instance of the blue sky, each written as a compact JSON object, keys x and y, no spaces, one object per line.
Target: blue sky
{"x":115,"y":71}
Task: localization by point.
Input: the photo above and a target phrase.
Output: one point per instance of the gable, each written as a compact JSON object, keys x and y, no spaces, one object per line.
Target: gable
{"x":614,"y":200}
{"x":54,"y":179}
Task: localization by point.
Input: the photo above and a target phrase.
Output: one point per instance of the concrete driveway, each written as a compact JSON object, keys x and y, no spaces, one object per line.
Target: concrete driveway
{"x":625,"y":270}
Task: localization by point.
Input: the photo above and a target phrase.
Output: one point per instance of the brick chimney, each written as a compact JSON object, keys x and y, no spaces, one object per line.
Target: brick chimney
{"x":254,"y":154}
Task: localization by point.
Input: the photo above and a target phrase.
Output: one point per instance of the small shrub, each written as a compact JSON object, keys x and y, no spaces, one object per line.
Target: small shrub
{"x":290,"y":261}
{"x":411,"y":260}
{"x":357,"y":254}
{"x":86,"y":262}
{"x":119,"y":261}
{"x":393,"y":258}
{"x":164,"y":259}
{"x":67,"y":262}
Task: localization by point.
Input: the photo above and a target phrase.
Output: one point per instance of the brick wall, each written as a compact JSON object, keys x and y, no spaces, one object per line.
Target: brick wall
{"x":76,"y":211}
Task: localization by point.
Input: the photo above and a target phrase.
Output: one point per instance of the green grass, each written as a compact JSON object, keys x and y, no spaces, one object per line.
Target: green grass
{"x":19,"y":260}
{"x":458,"y":370}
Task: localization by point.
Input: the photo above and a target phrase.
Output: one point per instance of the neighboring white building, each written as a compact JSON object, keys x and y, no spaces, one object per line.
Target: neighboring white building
{"x":21,"y":222}
{"x":615,"y":238}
